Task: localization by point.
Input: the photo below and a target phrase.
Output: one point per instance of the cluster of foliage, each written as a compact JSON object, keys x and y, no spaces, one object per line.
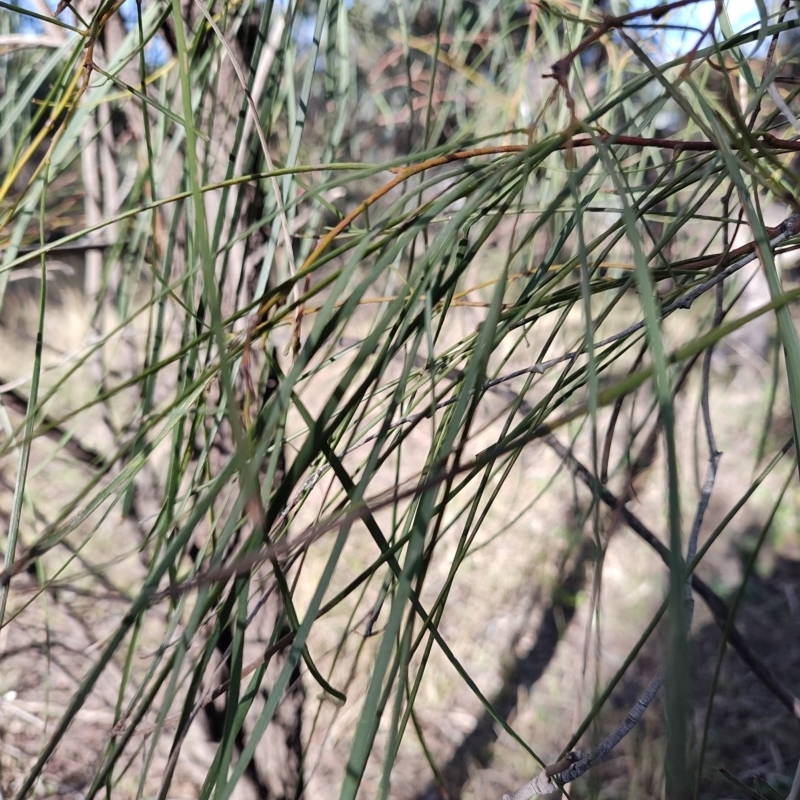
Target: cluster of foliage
{"x":345,"y":242}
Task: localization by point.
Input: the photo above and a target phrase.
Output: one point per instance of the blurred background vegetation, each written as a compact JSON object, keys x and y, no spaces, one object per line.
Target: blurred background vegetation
{"x":371,"y":374}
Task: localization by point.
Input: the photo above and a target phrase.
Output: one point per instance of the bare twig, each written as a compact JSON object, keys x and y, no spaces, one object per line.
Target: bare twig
{"x":561,"y":67}
{"x":544,"y":783}
{"x":715,"y":603}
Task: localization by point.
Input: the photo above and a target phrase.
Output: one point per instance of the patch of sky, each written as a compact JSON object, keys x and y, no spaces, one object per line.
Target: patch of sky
{"x":683,"y":28}
{"x":157,"y":52}
{"x":24,"y":22}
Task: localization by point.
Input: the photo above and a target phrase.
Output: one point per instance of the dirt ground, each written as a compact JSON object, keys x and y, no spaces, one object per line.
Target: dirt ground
{"x":521,"y":616}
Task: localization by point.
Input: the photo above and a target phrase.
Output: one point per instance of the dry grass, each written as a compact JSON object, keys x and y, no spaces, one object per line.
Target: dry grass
{"x":554,"y":593}
{"x":518,"y":617}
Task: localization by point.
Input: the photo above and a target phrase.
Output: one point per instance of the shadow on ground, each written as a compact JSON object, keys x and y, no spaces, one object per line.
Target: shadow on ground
{"x":475,"y":750}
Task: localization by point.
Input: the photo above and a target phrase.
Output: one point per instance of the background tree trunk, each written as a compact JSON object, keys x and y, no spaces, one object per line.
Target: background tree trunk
{"x":276,"y":770}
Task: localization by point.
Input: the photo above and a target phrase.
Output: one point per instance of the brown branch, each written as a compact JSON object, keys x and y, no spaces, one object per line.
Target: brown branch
{"x":547,"y":781}
{"x":715,"y":603}
{"x":561,"y":67}
{"x":404,"y":173}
